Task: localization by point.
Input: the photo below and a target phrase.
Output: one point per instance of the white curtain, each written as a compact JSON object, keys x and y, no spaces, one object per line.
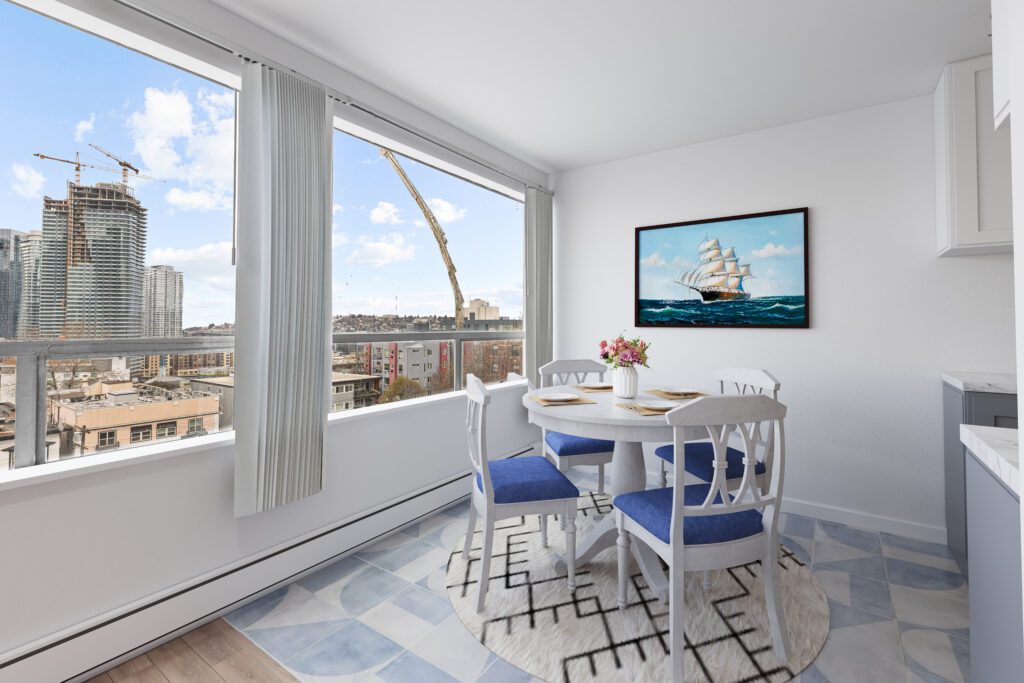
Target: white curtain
{"x":283,"y":276}
{"x":538,"y":291}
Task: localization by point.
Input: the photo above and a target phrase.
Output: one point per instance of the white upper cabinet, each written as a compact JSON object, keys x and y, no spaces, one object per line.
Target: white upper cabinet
{"x":1001,"y":60}
{"x":972,"y":163}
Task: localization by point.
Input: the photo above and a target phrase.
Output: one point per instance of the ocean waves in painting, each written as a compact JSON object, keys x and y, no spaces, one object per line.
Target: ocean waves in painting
{"x":784,"y":311}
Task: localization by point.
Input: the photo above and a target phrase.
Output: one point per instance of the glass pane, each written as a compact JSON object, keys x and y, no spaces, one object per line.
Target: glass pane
{"x":100,"y":404}
{"x":8,"y":398}
{"x":122,"y":202}
{"x":492,"y":361}
{"x":402,"y":232}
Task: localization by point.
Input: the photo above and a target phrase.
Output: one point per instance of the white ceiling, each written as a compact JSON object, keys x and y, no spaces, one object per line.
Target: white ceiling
{"x":571,"y":83}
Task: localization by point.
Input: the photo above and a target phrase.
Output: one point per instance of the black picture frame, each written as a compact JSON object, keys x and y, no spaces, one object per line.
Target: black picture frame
{"x":801,"y":322}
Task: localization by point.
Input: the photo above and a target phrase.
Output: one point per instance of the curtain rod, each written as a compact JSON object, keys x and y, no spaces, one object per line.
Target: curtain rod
{"x":333,"y":94}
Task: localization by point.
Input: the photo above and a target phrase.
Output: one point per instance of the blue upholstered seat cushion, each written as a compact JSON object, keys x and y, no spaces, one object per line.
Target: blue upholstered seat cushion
{"x":566,"y":444}
{"x":700,"y":460}
{"x":522,"y":480}
{"x":652,"y":509}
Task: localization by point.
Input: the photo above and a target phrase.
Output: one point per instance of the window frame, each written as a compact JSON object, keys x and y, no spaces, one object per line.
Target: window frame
{"x":171,"y":425}
{"x":139,"y":430}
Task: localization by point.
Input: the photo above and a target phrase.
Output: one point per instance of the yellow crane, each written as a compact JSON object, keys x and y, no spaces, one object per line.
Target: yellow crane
{"x":125,"y":165}
{"x":435,"y":227}
{"x":77,"y":163}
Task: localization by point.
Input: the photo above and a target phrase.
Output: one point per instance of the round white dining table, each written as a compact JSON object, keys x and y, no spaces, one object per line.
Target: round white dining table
{"x":603,"y":419}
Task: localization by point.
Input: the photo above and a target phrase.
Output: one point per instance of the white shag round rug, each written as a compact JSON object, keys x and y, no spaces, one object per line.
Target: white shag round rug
{"x":532,"y":621}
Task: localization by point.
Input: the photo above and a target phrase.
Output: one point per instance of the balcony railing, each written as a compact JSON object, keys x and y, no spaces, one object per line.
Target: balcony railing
{"x":32,"y":357}
{"x":31,"y":392}
{"x":459,"y":339}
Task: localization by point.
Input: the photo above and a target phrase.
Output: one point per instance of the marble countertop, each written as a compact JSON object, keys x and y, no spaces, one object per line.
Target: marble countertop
{"x":988,"y":382}
{"x":996,"y":449}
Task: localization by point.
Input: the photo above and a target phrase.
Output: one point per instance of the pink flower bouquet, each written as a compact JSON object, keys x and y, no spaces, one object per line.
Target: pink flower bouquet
{"x":624,"y":353}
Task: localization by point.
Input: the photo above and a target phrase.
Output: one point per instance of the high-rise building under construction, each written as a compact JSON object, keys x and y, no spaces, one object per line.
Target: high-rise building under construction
{"x":93,"y":263}
{"x":161,"y":302}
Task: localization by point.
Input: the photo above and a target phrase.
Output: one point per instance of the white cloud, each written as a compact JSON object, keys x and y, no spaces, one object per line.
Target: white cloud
{"x":420,"y":223}
{"x":198,"y":200}
{"x":381,"y":251}
{"x":769,"y":250}
{"x":190,"y":144}
{"x":209,"y":280}
{"x":338,"y":238}
{"x":83,"y":127}
{"x":26,"y":181}
{"x":445,"y":211}
{"x":337,"y":208}
{"x":385,"y":213}
{"x":654,"y":260}
{"x":204,"y":255}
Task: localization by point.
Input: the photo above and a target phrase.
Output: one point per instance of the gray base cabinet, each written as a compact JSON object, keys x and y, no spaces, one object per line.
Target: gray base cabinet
{"x":972,"y":408}
{"x":993,"y":525}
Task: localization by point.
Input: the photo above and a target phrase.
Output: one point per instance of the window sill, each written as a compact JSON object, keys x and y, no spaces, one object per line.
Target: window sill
{"x":413,"y":403}
{"x":99,"y":462}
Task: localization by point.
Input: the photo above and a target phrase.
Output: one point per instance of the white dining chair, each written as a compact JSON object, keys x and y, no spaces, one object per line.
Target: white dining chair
{"x":702,"y":527}
{"x":699,"y":455}
{"x":569,"y":450}
{"x":513,"y":487}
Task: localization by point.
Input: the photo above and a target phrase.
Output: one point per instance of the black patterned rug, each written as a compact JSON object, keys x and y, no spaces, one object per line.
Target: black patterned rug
{"x":533,"y":622}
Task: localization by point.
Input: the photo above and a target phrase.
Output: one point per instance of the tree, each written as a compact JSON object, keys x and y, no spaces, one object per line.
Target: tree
{"x":441,"y":381}
{"x":401,"y":389}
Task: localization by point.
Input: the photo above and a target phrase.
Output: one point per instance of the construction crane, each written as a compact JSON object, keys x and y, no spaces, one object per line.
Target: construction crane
{"x":435,"y":227}
{"x":125,"y":165}
{"x":77,"y":163}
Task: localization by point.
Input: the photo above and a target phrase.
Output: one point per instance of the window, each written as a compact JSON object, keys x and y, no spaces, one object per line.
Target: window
{"x":166,"y":429}
{"x":142,"y":433}
{"x":390,"y":275}
{"x":195,"y":425}
{"x":97,"y":252}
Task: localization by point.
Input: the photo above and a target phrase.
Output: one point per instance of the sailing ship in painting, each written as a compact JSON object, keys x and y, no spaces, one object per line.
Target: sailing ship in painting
{"x":719,"y":275}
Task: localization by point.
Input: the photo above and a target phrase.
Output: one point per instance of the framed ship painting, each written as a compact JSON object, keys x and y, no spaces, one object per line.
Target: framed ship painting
{"x":737,"y":271}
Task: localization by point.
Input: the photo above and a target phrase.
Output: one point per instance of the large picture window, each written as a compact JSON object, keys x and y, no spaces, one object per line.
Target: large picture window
{"x":410,"y":241}
{"x":117,"y":173}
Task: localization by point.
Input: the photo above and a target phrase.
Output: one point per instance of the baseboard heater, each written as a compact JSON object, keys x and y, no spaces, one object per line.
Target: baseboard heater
{"x":87,"y":651}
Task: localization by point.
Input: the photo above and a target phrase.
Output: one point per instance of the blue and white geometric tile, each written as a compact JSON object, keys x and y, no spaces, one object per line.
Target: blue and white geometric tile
{"x":936,"y":653}
{"x":855,"y":591}
{"x":453,"y":649}
{"x":898,"y":610}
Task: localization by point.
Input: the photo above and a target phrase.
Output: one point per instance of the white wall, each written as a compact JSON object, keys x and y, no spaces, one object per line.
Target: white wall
{"x":864,"y":429}
{"x":94,"y":544}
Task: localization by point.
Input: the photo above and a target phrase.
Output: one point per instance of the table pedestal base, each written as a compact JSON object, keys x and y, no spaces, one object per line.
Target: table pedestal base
{"x":628,"y":474}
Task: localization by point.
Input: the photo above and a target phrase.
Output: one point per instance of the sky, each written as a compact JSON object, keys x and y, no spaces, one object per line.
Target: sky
{"x":74,"y":89}
{"x":772,"y":245}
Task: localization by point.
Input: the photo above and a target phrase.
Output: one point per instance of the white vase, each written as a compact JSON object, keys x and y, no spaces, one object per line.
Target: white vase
{"x":624,"y":382}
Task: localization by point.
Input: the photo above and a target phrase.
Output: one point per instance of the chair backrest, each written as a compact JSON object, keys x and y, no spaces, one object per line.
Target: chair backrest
{"x":478,"y":398}
{"x":559,"y":372}
{"x":721,"y":416}
{"x":747,"y":381}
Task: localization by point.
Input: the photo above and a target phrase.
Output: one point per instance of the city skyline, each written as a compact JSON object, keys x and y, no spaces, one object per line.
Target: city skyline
{"x":179,"y":128}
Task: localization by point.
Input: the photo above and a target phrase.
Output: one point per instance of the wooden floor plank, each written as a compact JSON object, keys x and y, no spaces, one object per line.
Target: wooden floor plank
{"x":102,"y":678}
{"x":138,"y":670}
{"x":209,"y":642}
{"x":233,"y":656}
{"x":180,"y":663}
{"x":247,"y":667}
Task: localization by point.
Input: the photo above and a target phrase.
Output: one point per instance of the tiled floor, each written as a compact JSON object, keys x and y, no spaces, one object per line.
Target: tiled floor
{"x":899,"y":610}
